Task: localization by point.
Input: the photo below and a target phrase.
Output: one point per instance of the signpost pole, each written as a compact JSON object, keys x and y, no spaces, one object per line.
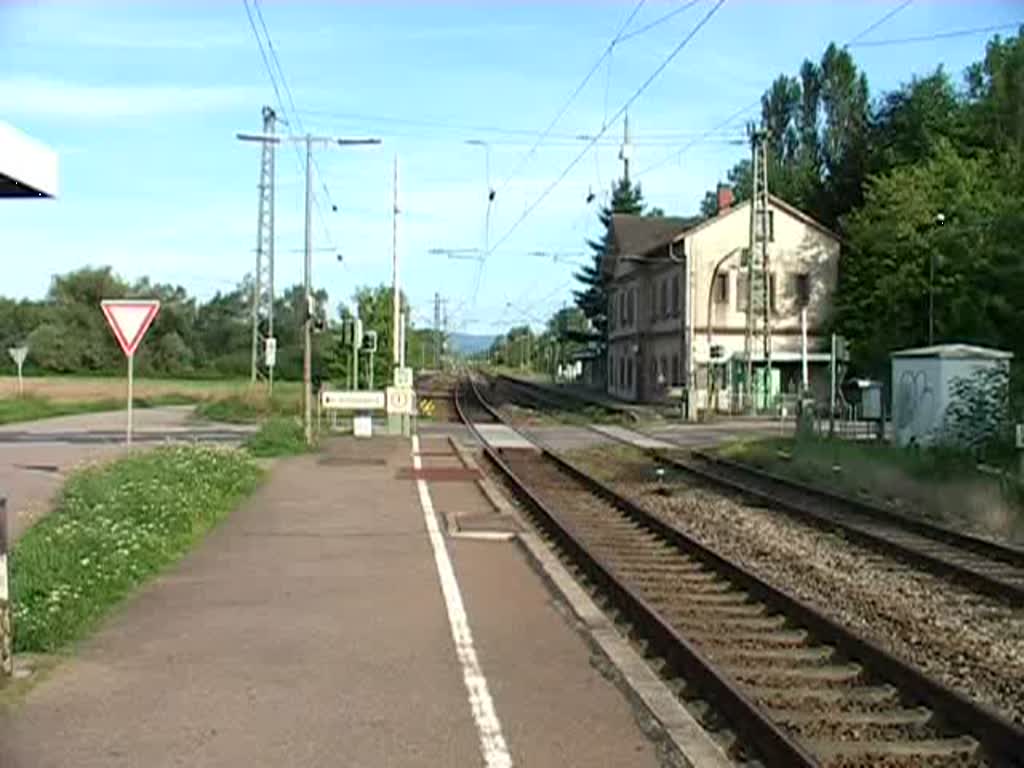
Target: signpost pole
{"x":131,"y":393}
{"x":6,"y":629}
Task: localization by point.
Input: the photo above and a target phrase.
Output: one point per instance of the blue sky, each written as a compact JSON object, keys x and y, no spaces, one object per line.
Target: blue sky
{"x":142,"y":101}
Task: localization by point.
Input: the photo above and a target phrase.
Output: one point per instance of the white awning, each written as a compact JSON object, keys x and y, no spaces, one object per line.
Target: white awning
{"x":27,"y":168}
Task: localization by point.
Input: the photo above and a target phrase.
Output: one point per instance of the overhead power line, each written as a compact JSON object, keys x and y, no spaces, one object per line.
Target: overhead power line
{"x":937,"y":36}
{"x":281,"y":103}
{"x":572,"y":97}
{"x":872,"y":27}
{"x":756,"y":102}
{"x":622,"y":110}
{"x":658,"y":21}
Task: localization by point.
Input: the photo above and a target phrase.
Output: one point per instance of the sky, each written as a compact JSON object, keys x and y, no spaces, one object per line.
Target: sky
{"x":142,"y":102}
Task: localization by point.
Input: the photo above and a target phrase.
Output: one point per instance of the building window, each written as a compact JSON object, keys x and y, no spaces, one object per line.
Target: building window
{"x":803,"y":289}
{"x":664,"y":298}
{"x":772,"y":302}
{"x":622,"y":308}
{"x":721,"y":288}
{"x":622,"y":372}
{"x":675,"y":371}
{"x":654,"y":300}
{"x":675,"y":296}
{"x":629,"y":374}
{"x":664,"y":367}
{"x":654,"y":371}
{"x":743,"y":291}
{"x":611,"y":371}
{"x":630,"y":305}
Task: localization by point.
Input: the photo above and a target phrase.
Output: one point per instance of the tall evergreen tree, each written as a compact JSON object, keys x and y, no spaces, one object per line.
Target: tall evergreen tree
{"x":592,"y":299}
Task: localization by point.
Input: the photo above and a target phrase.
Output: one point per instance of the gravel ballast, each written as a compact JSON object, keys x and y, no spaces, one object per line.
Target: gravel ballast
{"x":970,"y":642}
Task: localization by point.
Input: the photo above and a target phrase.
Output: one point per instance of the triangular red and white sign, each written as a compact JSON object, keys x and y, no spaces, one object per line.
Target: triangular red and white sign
{"x":129,"y":319}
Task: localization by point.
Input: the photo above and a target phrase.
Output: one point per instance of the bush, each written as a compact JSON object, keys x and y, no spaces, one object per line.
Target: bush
{"x":248,"y":408}
{"x":278,"y":437}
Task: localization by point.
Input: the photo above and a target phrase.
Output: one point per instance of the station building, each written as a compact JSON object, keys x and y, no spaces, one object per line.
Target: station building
{"x":677,"y":315}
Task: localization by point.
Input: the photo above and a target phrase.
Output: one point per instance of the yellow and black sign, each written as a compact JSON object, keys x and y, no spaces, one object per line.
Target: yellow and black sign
{"x":426,"y":407}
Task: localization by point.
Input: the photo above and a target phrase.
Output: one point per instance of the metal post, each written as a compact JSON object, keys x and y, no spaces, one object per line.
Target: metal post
{"x":370,"y":373}
{"x":131,"y":393}
{"x":751,"y":316}
{"x":401,"y":339}
{"x":6,"y":628}
{"x":804,"y":380}
{"x":931,"y":298}
{"x":832,"y":392}
{"x":396,"y":300}
{"x":307,"y":352}
{"x":355,"y":364}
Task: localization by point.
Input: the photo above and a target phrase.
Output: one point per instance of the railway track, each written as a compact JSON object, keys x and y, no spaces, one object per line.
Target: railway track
{"x":797,"y":688}
{"x":981,"y":565}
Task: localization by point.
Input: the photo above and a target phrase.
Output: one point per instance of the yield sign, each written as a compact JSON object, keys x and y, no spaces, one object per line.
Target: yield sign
{"x":129,"y":319}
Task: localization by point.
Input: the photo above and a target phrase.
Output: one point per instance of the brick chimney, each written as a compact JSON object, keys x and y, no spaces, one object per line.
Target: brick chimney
{"x":725,"y":198}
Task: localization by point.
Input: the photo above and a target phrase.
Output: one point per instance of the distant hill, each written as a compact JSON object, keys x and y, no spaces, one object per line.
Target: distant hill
{"x":469,"y":343}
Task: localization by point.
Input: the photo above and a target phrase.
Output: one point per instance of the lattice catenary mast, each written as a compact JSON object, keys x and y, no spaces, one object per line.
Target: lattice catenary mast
{"x":759,"y":288}
{"x":263,"y":282}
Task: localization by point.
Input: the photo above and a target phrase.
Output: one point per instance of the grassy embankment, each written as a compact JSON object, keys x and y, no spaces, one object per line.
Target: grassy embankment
{"x":113,"y":527}
{"x":221,"y":400}
{"x":936,"y":485}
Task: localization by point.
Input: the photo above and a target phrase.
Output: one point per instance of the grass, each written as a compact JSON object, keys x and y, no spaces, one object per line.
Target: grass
{"x":940,"y":485}
{"x":278,"y":437}
{"x":114,"y":527}
{"x":34,"y":407}
{"x":248,"y":408}
{"x":79,"y":388}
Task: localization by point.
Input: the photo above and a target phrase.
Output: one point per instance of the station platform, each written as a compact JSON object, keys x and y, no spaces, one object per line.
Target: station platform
{"x":342,"y":617}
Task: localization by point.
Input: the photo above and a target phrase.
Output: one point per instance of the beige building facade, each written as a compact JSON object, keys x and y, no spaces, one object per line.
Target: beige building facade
{"x":678,"y":307}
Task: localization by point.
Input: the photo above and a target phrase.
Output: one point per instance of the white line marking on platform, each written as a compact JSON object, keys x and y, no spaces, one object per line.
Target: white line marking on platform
{"x":492,"y":742}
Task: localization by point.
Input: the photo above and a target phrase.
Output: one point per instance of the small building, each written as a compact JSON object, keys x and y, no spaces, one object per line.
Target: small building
{"x":677,"y":315}
{"x":922,"y":382}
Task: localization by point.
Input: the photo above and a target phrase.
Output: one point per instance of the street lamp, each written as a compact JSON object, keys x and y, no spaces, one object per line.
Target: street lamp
{"x":307,"y":357}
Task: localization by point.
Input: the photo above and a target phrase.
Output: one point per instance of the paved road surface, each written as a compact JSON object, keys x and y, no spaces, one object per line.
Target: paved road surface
{"x":36,"y":456}
{"x":311,"y":629}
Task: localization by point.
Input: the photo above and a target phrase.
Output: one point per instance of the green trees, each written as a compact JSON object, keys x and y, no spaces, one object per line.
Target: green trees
{"x":880,"y":173}
{"x":592,"y":298}
{"x":67,"y":334}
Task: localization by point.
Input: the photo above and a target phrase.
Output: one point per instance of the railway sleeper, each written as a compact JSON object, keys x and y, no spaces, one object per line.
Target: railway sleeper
{"x":814,"y":655}
{"x":958,"y":751}
{"x":837,"y":675}
{"x":863,"y":698}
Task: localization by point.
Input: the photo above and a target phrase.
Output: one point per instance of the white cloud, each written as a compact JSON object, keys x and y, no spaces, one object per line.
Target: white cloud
{"x":46,"y":97}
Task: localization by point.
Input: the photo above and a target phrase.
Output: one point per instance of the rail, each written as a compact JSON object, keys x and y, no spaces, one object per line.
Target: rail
{"x":1001,"y":739}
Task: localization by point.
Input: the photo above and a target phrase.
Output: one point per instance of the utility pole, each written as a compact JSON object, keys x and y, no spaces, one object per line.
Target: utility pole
{"x":263,"y":281}
{"x":307,"y":355}
{"x":626,"y":151}
{"x":437,"y":331}
{"x":758,"y":278}
{"x":397,"y":357}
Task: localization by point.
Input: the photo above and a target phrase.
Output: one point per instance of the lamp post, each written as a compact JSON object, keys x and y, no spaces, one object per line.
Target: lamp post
{"x":940,"y":220}
{"x":307,"y":355}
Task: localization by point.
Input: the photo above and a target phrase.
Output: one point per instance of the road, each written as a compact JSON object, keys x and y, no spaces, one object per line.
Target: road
{"x":36,"y":456}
